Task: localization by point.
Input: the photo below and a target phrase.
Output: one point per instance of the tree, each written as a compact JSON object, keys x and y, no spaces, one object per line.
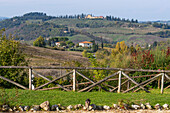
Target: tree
{"x":118,"y":46}
{"x":39,"y":42}
{"x":11,"y":55}
{"x":62,"y":43}
{"x":70,"y":43}
{"x":94,"y":46}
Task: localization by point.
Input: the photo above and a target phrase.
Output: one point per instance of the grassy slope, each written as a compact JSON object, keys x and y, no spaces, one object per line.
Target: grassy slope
{"x":27,"y":97}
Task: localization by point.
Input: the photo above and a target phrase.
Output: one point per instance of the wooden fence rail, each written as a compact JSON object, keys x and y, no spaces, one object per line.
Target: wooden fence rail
{"x":74,"y":72}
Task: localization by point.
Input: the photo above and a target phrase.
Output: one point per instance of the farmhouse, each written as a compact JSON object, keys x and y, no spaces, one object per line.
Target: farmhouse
{"x":85,"y":44}
{"x":57,"y":44}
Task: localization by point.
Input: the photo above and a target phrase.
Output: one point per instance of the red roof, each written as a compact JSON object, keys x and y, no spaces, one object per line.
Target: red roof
{"x":85,"y":42}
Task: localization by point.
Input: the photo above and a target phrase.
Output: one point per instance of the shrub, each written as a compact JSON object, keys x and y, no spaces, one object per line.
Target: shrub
{"x":11,"y":55}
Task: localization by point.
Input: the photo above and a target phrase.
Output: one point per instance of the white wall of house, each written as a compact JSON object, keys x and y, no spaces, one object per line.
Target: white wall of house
{"x":57,"y":44}
{"x":85,"y":44}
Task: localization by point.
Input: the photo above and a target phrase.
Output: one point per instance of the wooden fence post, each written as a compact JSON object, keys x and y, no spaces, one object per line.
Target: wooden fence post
{"x":74,"y":80}
{"x":30,"y":78}
{"x":159,"y":79}
{"x":128,"y":84}
{"x":119,"y":82}
{"x":162,"y":83}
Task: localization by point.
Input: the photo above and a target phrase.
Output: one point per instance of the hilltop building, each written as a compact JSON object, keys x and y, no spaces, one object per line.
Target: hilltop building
{"x":94,"y":17}
{"x":85,"y":44}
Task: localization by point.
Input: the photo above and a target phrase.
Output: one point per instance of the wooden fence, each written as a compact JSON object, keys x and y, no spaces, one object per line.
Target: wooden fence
{"x":163,"y":74}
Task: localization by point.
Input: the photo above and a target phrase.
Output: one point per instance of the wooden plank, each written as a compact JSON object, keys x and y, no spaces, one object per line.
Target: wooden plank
{"x":74,"y":80}
{"x":64,"y":86}
{"x":87,"y":68}
{"x":89,"y":89}
{"x":10,"y":81}
{"x":90,"y":80}
{"x":128,"y":84}
{"x":141,"y":76}
{"x":106,"y":78}
{"x":53,"y":80}
{"x":99,"y":68}
{"x":117,"y":86}
{"x":49,"y":80}
{"x":162,"y":83}
{"x":15,"y":67}
{"x":167,"y":87}
{"x":167,"y":76}
{"x":41,"y":75}
{"x":135,"y":82}
{"x":108,"y":85}
{"x":30,"y":79}
{"x":159,"y":79}
{"x":142,"y":83}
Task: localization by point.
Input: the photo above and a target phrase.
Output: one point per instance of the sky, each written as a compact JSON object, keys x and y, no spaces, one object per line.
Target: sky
{"x":143,"y":10}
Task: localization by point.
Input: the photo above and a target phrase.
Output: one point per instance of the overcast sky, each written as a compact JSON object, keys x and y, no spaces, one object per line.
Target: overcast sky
{"x":143,"y":10}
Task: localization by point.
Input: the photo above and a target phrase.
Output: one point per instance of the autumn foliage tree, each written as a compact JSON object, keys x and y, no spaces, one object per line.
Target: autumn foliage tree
{"x":40,"y":42}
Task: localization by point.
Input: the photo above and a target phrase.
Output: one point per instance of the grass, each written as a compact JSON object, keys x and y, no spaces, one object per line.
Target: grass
{"x":79,"y":38}
{"x":27,"y":97}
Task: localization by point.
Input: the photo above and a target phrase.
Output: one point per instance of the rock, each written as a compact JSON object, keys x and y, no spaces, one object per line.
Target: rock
{"x":87,"y":103}
{"x":70,"y":107}
{"x":5,"y":107}
{"x":26,"y":108}
{"x":21,"y":108}
{"x":62,"y":107}
{"x":157,"y":107}
{"x":99,"y":107}
{"x":165,"y":106}
{"x":10,"y":110}
{"x":45,"y":105}
{"x":148,"y":106}
{"x":106,"y":107}
{"x":78,"y":106}
{"x":31,"y":109}
{"x":14,"y":108}
{"x":84,"y":108}
{"x":36,"y":108}
{"x":55,"y":108}
{"x":135,"y":106}
{"x":125,"y":106}
{"x":142,"y":106}
{"x":115,"y":106}
{"x":92,"y":107}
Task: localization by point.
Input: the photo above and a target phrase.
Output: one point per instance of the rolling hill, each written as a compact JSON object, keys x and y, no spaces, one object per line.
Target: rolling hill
{"x":32,"y":25}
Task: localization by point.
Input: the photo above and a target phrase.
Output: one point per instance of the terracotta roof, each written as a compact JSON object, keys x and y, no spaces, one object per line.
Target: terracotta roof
{"x":85,"y":42}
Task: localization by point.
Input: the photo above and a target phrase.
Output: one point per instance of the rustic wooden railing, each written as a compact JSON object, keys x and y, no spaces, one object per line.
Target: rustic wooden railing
{"x":120,"y":72}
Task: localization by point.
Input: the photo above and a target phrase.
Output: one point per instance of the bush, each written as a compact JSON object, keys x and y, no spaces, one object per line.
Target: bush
{"x":11,"y":55}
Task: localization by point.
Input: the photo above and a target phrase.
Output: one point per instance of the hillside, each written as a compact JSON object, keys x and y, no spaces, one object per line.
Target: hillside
{"x":46,"y":57}
{"x":32,"y":25}
{"x":3,"y":18}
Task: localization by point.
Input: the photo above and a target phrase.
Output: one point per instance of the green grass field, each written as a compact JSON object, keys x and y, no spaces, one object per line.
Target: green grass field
{"x":26,"y":97}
